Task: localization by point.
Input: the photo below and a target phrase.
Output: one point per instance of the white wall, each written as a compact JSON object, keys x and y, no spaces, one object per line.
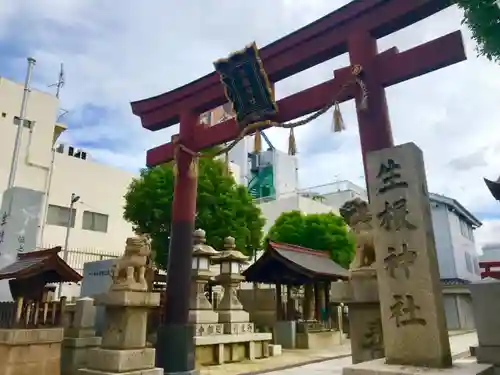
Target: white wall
{"x":273,"y":209}
{"x":464,"y":247}
{"x":42,"y":108}
{"x":285,"y":173}
{"x":442,"y":236}
{"x":101,"y":189}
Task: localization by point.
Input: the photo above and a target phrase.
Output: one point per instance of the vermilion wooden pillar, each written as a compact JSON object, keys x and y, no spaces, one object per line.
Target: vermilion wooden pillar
{"x":175,"y":350}
{"x":374,"y":124}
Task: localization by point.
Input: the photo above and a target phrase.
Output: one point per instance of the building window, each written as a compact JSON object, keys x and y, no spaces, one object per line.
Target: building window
{"x":95,"y":221}
{"x":476,"y":267}
{"x":58,"y":215}
{"x":468,"y":263}
{"x":466,"y":230}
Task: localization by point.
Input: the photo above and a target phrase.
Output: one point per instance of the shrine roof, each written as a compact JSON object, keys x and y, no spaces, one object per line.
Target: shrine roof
{"x":291,"y":264}
{"x":40,"y":262}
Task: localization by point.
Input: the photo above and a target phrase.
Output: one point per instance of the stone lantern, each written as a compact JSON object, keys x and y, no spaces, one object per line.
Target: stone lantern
{"x":201,"y":313}
{"x":231,"y":313}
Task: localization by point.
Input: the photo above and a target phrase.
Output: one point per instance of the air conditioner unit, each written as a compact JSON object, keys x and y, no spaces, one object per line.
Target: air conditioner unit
{"x":60,"y":148}
{"x":84,"y":155}
{"x":71,"y":150}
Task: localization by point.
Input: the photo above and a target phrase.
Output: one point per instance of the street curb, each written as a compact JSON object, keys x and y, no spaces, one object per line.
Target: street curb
{"x":293,"y":365}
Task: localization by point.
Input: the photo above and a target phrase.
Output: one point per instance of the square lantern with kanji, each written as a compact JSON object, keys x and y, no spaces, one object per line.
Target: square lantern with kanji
{"x":247,"y":86}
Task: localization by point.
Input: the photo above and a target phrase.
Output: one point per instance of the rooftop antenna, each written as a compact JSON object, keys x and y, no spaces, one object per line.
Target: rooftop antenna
{"x":60,"y":81}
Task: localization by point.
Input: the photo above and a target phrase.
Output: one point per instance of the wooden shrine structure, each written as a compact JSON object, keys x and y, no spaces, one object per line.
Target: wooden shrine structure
{"x":29,"y":275}
{"x":289,"y":266}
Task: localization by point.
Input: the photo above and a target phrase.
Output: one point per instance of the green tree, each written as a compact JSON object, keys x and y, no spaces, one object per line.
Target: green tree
{"x":224,"y":208}
{"x":324,"y":232}
{"x":483,"y":19}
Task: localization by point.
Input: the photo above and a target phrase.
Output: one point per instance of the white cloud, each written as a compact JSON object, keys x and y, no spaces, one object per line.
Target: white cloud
{"x":115,"y":53}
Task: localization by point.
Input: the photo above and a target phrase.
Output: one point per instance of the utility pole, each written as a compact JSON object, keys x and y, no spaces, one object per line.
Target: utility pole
{"x":22,"y":115}
{"x":74,"y":198}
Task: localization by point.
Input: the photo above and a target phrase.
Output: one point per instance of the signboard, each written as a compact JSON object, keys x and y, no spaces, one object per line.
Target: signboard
{"x":19,"y":220}
{"x":246,"y":85}
{"x":97,"y":280}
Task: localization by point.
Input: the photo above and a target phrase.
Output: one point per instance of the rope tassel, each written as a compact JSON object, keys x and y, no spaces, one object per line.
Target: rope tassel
{"x":193,"y":167}
{"x":292,"y":144}
{"x":257,"y":142}
{"x":338,"y":121}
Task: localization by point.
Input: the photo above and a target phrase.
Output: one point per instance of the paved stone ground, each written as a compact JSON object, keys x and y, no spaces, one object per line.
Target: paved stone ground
{"x":324,"y":364}
{"x":459,"y":345}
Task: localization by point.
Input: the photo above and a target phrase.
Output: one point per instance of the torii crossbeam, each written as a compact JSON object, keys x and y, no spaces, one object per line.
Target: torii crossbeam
{"x":353,"y":28}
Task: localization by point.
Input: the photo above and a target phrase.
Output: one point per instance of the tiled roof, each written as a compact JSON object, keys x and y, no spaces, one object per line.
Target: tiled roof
{"x":286,"y":263}
{"x":315,"y":261}
{"x":38,"y":262}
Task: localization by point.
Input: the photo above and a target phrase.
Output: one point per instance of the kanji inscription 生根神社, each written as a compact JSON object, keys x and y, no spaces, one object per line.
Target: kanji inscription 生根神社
{"x":406,"y":261}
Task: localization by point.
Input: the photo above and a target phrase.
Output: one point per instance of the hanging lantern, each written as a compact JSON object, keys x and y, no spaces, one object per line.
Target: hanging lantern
{"x":247,"y":86}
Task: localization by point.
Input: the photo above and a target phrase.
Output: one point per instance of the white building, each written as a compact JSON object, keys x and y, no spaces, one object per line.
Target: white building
{"x":47,"y":176}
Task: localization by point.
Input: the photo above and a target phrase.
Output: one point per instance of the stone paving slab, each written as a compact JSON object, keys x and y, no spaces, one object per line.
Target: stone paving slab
{"x":331,"y":362}
{"x":459,"y":345}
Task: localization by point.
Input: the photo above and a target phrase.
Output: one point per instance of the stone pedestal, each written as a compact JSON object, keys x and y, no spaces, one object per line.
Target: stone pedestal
{"x":30,"y":351}
{"x":201,"y":313}
{"x":79,"y":337}
{"x":365,"y":326}
{"x":123,"y":348}
{"x":486,"y":305}
{"x":234,"y":319}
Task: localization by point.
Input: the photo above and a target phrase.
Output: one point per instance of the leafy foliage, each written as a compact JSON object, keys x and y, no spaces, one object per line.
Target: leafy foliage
{"x":224,"y":208}
{"x":483,"y":19}
{"x":325,"y":232}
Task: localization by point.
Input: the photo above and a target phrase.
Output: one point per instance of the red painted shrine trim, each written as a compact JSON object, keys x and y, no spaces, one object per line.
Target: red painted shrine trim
{"x":309,"y":46}
{"x":394,"y":68}
{"x":487,"y":270}
{"x":356,"y":73}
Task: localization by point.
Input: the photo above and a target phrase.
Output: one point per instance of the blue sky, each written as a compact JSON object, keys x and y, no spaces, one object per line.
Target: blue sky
{"x":114,"y":55}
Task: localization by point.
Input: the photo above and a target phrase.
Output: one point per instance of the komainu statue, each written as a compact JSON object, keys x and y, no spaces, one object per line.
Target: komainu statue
{"x":357,"y":215}
{"x":129,"y":272}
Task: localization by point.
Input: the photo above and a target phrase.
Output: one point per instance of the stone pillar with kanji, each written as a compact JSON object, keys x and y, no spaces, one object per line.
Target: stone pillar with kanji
{"x":410,"y":292}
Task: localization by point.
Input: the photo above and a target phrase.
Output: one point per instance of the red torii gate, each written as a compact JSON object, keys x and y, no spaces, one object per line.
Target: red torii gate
{"x":353,"y":28}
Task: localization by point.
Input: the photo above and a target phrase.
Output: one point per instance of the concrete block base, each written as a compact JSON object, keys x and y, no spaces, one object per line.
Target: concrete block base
{"x":379,"y":367}
{"x":275,"y":350}
{"x":121,"y":360}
